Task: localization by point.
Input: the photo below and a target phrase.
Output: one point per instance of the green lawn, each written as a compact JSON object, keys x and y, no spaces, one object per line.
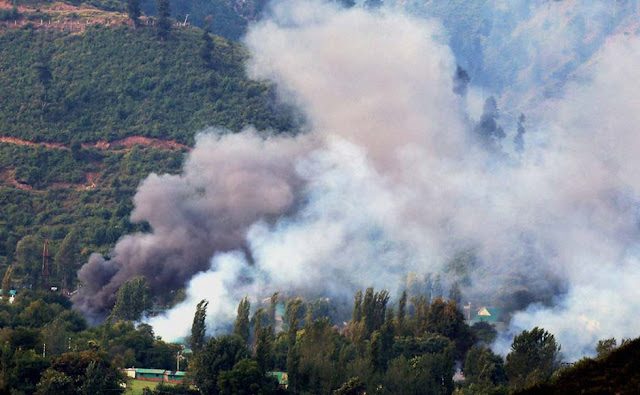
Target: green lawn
{"x":134,"y":387}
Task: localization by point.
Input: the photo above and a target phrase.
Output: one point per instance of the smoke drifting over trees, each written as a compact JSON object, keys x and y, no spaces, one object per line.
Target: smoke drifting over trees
{"x":228,"y":183}
{"x":391,"y":179}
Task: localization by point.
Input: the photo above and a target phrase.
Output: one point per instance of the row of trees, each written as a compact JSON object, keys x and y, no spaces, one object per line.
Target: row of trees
{"x":409,"y":351}
{"x":48,"y":349}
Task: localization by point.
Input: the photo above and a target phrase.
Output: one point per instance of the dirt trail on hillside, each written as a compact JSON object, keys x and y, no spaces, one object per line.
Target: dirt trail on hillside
{"x":129,"y":142}
{"x":13,"y":140}
{"x":125,"y":144}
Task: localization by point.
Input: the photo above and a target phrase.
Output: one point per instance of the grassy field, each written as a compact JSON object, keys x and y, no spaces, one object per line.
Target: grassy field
{"x":135,"y":387}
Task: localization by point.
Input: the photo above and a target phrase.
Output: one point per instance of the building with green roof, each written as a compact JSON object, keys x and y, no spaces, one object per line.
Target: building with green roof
{"x":490,"y":315}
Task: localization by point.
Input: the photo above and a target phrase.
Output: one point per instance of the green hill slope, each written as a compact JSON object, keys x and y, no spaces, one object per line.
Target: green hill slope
{"x":86,"y":114}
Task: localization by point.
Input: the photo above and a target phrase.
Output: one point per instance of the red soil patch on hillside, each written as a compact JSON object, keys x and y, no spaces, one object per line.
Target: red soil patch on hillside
{"x":130,"y":142}
{"x":13,"y":140}
{"x":124,"y":144}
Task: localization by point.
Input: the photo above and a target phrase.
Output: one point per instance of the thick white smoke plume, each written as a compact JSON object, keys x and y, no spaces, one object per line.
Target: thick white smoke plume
{"x":393,"y":178}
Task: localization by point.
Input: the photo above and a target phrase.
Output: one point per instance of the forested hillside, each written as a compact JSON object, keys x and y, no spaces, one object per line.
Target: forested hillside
{"x":91,"y":105}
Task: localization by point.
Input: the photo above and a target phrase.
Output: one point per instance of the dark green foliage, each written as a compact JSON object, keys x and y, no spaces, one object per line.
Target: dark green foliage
{"x":426,"y":374}
{"x":198,"y":328}
{"x":104,"y":85}
{"x":292,"y":313}
{"x":484,"y":332}
{"x":374,"y":308}
{"x":242,"y":325}
{"x":534,"y":356}
{"x":109,"y":83}
{"x":271,"y":312}
{"x":402,"y":307}
{"x":227,"y":19}
{"x":164,"y":23}
{"x":29,"y":258}
{"x":53,"y":382}
{"x":264,"y":349}
{"x":22,"y":371}
{"x":132,"y":300}
{"x":357,"y":307}
{"x":66,"y":259}
{"x":321,"y":308}
{"x":219,"y":354}
{"x":90,"y":373}
{"x":295,"y":311}
{"x":9,"y":15}
{"x":133,"y":10}
{"x":179,"y":389}
{"x":411,"y":347}
{"x":207,"y":46}
{"x":604,"y":347}
{"x":245,"y":378}
{"x":617,"y":373}
{"x":483,"y":371}
{"x":447,"y":320}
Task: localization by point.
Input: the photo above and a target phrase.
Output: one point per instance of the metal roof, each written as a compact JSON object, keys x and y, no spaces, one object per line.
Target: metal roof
{"x":150,"y":371}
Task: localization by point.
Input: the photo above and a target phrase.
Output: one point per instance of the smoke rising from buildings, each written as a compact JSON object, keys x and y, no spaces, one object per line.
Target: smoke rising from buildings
{"x":391,"y":180}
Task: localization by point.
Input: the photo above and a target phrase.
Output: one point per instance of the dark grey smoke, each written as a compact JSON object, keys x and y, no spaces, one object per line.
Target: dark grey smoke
{"x":229,"y":182}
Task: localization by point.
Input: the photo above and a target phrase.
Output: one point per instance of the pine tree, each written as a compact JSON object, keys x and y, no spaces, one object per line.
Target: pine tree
{"x":198,"y":328}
